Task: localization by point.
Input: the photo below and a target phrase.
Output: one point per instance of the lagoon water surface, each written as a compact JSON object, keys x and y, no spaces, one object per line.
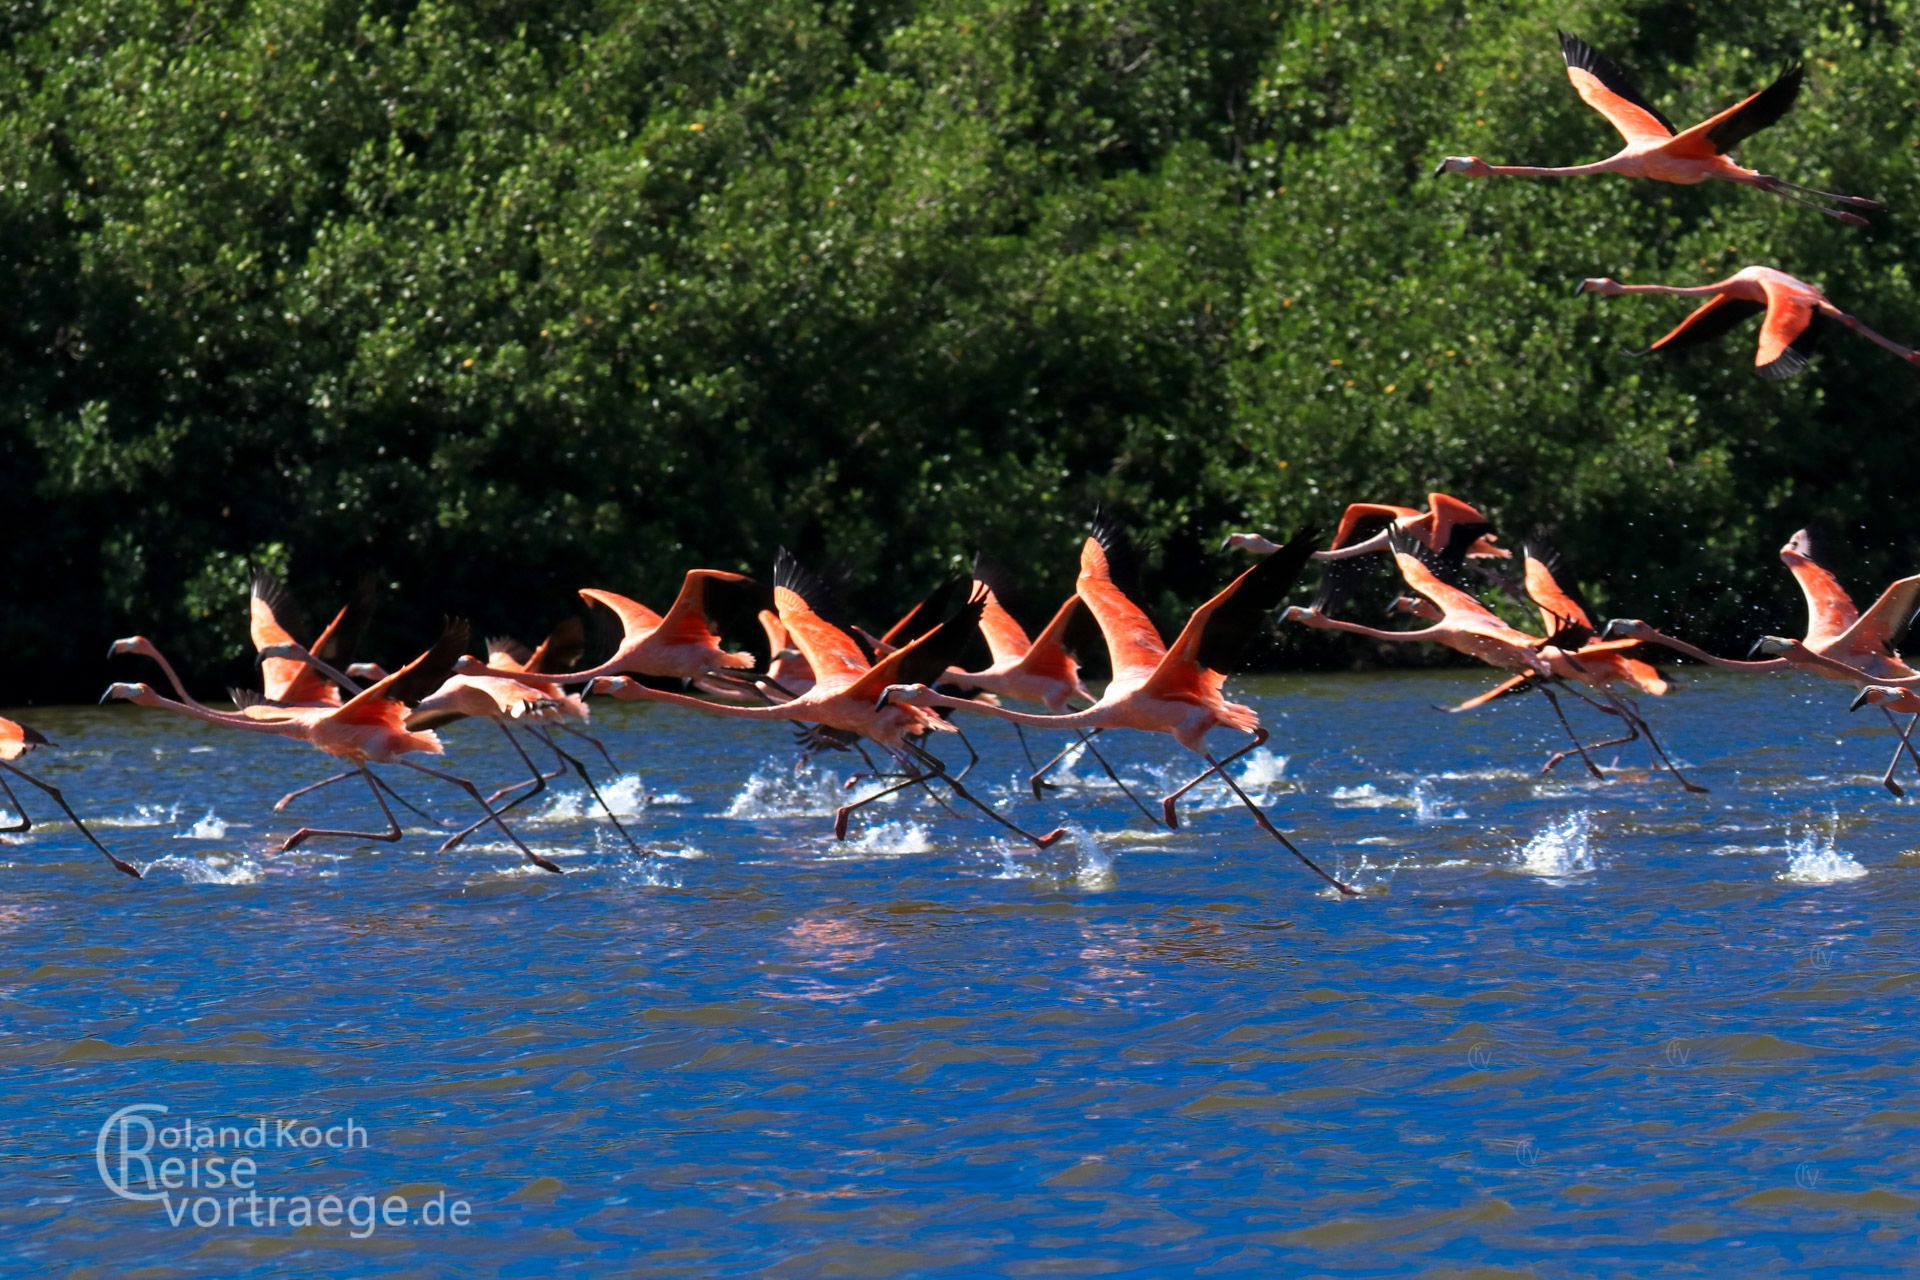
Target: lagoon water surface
{"x":1572,"y":1029}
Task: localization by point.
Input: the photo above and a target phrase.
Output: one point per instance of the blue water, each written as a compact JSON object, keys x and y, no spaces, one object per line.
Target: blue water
{"x":1572,"y":1029}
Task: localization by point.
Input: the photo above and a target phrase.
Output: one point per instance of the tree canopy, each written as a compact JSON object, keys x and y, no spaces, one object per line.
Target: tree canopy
{"x":499,"y":300}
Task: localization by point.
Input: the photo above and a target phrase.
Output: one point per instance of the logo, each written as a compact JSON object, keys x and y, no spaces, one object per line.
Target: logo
{"x":207,"y":1176}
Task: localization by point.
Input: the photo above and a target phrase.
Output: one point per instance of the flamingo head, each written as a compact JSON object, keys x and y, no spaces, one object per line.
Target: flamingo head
{"x":1250,"y":542}
{"x":1801,"y":548}
{"x":1605,"y":286}
{"x":126,"y":692}
{"x":1304,"y":614}
{"x":1472,"y":166}
{"x":1411,"y":606}
{"x":609,"y":686}
{"x":140,"y":645}
{"x":1772,"y":647}
{"x":1880,"y":695}
{"x":285,"y":649}
{"x":903,"y":692}
{"x":371,"y":671}
{"x":1486,"y":548}
{"x":1625,"y":629}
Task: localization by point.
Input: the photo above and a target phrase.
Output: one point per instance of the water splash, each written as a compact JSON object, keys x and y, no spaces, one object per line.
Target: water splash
{"x":1560,"y":850}
{"x":626,"y":795}
{"x":214,"y":868}
{"x":777,"y":790}
{"x":1093,"y":865}
{"x":1428,"y":806}
{"x":143,"y":815}
{"x":1814,"y":857}
{"x":210,"y":827}
{"x":1261,"y":770}
{"x":894,"y":839}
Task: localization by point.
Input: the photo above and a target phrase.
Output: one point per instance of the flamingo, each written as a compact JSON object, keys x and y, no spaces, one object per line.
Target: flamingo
{"x":1796,"y":314}
{"x":16,"y":740}
{"x":842,"y":700}
{"x":1467,"y":626}
{"x":367,"y":729}
{"x":473,"y":691}
{"x":1655,"y":150}
{"x":1158,"y":689}
{"x":682,"y":644}
{"x":1841,"y":642}
{"x":1364,"y":528}
{"x":1039,"y":669}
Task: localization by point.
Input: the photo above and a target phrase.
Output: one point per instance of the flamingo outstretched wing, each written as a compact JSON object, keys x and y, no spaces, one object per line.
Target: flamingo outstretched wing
{"x":1756,"y":111}
{"x":1605,"y":88}
{"x":1787,"y":337}
{"x":832,"y":654}
{"x":923,"y":659}
{"x":1714,"y":318}
{"x":1007,"y":641}
{"x":1208,"y":645}
{"x":1558,"y":608}
{"x":385,"y":700}
{"x":686,"y":619}
{"x":1880,"y":627}
{"x":1133,"y":645}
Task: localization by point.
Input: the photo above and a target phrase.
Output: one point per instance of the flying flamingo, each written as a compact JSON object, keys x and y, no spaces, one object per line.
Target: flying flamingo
{"x":1365,"y":526}
{"x":367,"y":729}
{"x":1038,"y":669}
{"x":475,"y":692}
{"x":681,"y":644}
{"x":1841,"y":642}
{"x":1158,"y":689}
{"x":1467,"y":626}
{"x":842,"y":700}
{"x":1655,"y":150}
{"x":1796,"y":314}
{"x":16,"y":740}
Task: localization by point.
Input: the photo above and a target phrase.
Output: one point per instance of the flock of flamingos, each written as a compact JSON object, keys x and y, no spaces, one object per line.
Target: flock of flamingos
{"x":846,"y":690}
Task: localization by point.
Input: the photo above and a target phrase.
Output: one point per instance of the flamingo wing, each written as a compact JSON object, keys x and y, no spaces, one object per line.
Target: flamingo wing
{"x":1558,"y":607}
{"x":343,"y":636}
{"x":1423,"y":570}
{"x":416,"y":681}
{"x":1219,"y":629}
{"x":637,"y":622}
{"x":1007,"y":641}
{"x":829,"y":651}
{"x":504,"y":653}
{"x":1714,"y":318}
{"x":686,"y":621}
{"x":17,"y":739}
{"x":1880,"y":628}
{"x":1605,"y":88}
{"x":1756,"y":111}
{"x":926,"y":657}
{"x":1049,"y":655}
{"x":273,"y":618}
{"x":1133,"y":645}
{"x":1362,"y":520}
{"x":924,"y":616}
{"x":1513,"y":684}
{"x":1787,"y":338}
{"x":1831,"y":612}
{"x":562,"y":648}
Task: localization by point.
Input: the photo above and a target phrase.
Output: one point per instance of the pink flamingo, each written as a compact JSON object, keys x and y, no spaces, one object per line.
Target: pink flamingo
{"x":1655,"y":150}
{"x":16,"y":740}
{"x":842,"y":700}
{"x":367,"y":729}
{"x":1157,"y":689}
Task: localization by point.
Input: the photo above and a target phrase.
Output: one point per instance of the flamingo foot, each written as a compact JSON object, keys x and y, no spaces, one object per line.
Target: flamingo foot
{"x":1172,"y":814}
{"x":1052,"y":837}
{"x":840,"y":817}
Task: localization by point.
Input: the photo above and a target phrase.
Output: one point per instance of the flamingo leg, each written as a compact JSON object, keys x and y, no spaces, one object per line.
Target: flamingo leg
{"x":25,"y":823}
{"x":1106,"y":768}
{"x":468,"y":787}
{"x":597,"y":745}
{"x":1266,"y":823}
{"x":407,"y":804}
{"x":1634,"y":719}
{"x":532,"y":787}
{"x":391,"y":834}
{"x":1167,"y":802}
{"x":973,"y":757}
{"x":1904,"y":747}
{"x":845,"y":811}
{"x":1572,"y":737}
{"x":874,"y":771}
{"x":938,"y":769}
{"x":592,"y":790}
{"x":59,"y":799}
{"x":1808,"y":198}
{"x":1038,"y":778}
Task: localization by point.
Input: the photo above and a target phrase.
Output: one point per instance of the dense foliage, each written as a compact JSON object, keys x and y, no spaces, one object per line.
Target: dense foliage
{"x":500,"y":299}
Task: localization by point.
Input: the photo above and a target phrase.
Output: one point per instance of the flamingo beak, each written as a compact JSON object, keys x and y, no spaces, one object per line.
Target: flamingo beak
{"x":1441,"y":169}
{"x":1579,"y":288}
{"x":1860,"y":700}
